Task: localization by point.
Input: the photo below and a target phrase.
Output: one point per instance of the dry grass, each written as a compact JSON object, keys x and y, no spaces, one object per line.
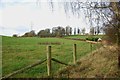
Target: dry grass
{"x":101,"y":63}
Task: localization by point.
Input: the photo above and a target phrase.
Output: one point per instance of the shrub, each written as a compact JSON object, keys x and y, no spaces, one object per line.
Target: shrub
{"x":15,"y":35}
{"x":92,"y":39}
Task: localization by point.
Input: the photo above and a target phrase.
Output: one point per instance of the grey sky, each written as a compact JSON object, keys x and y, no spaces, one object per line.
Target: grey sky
{"x":17,"y":16}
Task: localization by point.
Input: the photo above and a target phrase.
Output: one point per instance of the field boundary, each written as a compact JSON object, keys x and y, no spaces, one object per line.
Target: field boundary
{"x":78,"y":39}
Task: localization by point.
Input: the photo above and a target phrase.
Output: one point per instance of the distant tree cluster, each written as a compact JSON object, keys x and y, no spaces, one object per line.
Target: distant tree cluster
{"x":29,"y":34}
{"x":58,"y":31}
{"x":44,"y":33}
{"x":54,"y":32}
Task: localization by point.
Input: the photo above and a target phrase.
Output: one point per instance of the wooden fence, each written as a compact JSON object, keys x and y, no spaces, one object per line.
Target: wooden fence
{"x":49,"y":60}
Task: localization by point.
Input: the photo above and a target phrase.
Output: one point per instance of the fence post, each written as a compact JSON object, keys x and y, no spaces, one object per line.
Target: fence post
{"x":74,"y":53}
{"x":49,"y":60}
{"x":91,"y":47}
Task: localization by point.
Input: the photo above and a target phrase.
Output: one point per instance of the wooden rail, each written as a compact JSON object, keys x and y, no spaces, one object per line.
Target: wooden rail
{"x":59,"y":62}
{"x":23,"y":69}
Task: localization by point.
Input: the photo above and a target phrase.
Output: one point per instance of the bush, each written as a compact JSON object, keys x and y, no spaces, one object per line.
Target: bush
{"x":15,"y":35}
{"x":92,"y":39}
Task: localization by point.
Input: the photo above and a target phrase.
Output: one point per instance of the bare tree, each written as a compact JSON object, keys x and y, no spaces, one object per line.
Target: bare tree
{"x":83,"y":31}
{"x":115,"y":8}
{"x":74,"y":31}
{"x":70,"y":31}
{"x":92,"y":31}
{"x":78,"y":31}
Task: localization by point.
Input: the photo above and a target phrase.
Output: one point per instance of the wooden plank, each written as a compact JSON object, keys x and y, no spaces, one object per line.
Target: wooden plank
{"x":23,"y":69}
{"x":49,"y":60}
{"x":59,"y":62}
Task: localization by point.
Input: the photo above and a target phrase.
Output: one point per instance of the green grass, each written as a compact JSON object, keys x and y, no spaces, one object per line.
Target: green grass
{"x":20,"y":52}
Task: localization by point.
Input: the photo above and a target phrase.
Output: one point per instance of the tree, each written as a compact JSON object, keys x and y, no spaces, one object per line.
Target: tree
{"x":58,"y":31}
{"x":44,"y":33}
{"x":98,"y":30}
{"x":63,"y":31}
{"x":29,"y":34}
{"x":74,"y":31}
{"x":115,"y":24}
{"x":47,"y":31}
{"x":68,"y":30}
{"x":83,"y":31}
{"x":26,"y":34}
{"x":78,"y":31}
{"x":54,"y":30}
{"x":41,"y":33}
{"x":110,"y":32}
{"x":92,"y":31}
{"x":15,"y":35}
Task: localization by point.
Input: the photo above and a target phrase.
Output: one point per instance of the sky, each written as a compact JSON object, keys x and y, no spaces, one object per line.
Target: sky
{"x":17,"y":17}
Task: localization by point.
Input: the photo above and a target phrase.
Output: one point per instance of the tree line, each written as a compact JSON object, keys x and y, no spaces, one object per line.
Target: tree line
{"x":59,"y":32}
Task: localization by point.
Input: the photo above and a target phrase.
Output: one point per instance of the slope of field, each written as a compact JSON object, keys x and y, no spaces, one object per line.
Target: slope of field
{"x":83,"y":36}
{"x":21,"y":52}
{"x":102,"y":63}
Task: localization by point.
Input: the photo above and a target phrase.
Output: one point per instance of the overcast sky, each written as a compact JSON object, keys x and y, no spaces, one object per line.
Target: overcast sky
{"x":17,"y":17}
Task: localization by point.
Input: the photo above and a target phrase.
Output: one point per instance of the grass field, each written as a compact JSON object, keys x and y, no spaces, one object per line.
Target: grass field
{"x":20,"y":52}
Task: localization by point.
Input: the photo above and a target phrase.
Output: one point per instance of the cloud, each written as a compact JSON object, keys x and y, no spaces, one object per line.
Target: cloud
{"x":12,"y":1}
{"x":17,"y":18}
